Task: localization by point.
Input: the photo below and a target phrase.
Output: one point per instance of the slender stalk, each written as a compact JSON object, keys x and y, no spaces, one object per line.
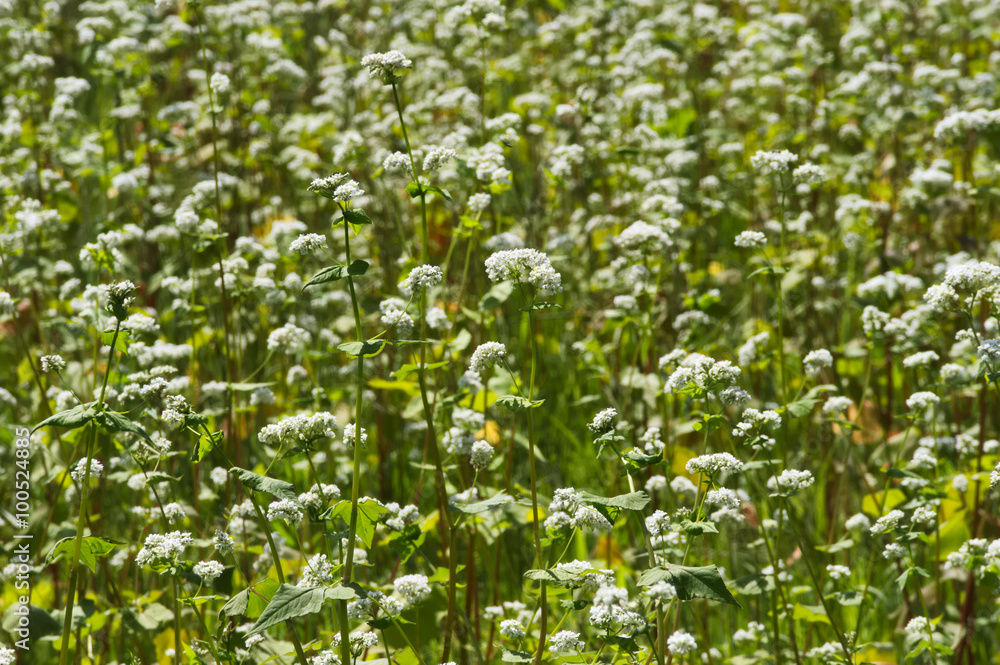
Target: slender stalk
{"x":74,"y":564}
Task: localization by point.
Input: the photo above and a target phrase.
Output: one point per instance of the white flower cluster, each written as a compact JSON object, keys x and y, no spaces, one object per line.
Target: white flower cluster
{"x":681,"y":643}
{"x":308,"y":243}
{"x":887,"y":522}
{"x":301,"y":428}
{"x":208,"y":571}
{"x":524,"y":266}
{"x":956,"y":125}
{"x":790,"y":480}
{"x":713,"y":463}
{"x":420,"y":279}
{"x":338,"y":186}
{"x":768,"y":161}
{"x":53,"y":363}
{"x":512,"y":629}
{"x":809,"y":174}
{"x":487,"y":355}
{"x":604,"y":421}
{"x":703,"y":372}
{"x":163,"y":549}
{"x":387,"y":66}
{"x":566,"y":510}
{"x":817,"y":360}
{"x":79,"y":471}
{"x":289,"y":339}
{"x":413,"y":588}
{"x":437,"y":157}
{"x":286,"y":510}
{"x":643,"y":237}
{"x":751,"y":240}
{"x":566,"y":641}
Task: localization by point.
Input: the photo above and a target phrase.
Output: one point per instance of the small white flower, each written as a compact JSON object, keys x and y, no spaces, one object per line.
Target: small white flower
{"x":751,"y":240}
{"x":487,"y":355}
{"x":681,"y":643}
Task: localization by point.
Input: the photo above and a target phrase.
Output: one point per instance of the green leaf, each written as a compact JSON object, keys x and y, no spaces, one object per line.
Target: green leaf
{"x":711,"y":423}
{"x":409,"y":368}
{"x":510,"y":656}
{"x":276,"y":488}
{"x":78,"y":416}
{"x":248,"y":387}
{"x":116,"y":422}
{"x":92,"y":548}
{"x":698,"y":528}
{"x":482,"y":506}
{"x":517,"y":403}
{"x":290,"y":602}
{"x":414,"y":190}
{"x":631,"y":501}
{"x":557,"y":576}
{"x":204,"y":446}
{"x":250,"y":602}
{"x":754,"y":585}
{"x":801,"y":408}
{"x":333,"y":273}
{"x":810,"y":613}
{"x":368,"y":349}
{"x":357,"y":216}
{"x":540,"y":305}
{"x":368,"y":514}
{"x":121,"y":342}
{"x":691,"y":582}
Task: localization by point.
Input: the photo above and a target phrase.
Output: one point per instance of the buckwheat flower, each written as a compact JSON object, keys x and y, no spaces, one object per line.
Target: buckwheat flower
{"x":437,"y":157}
{"x":6,"y":303}
{"x":858,"y":522}
{"x":874,"y":320}
{"x":681,"y":643}
{"x":641,"y":237}
{"x":651,"y":441}
{"x":524,"y":266}
{"x":223,"y":542}
{"x":809,"y":174}
{"x":7,"y":656}
{"x":328,"y":185}
{"x":413,"y":588}
{"x":995,"y":477}
{"x":163,"y":549}
{"x":566,"y":641}
{"x":921,"y":401}
{"x":347,"y":192}
{"x":837,"y":405}
{"x":790,"y":480}
{"x":174,"y":512}
{"x":837,"y":572}
{"x":219,"y":83}
{"x":487,"y":355}
{"x":917,"y":626}
{"x":662,"y":591}
{"x":960,"y":483}
{"x":318,"y":571}
{"x":396,"y":161}
{"x":218,"y":476}
{"x":893,"y":551}
{"x":512,"y":628}
{"x":285,"y":509}
{"x":775,"y":161}
{"x":289,"y":339}
{"x":387,"y":66}
{"x":79,"y":471}
{"x":734,"y":396}
{"x":53,"y":363}
{"x":482,"y":454}
{"x":589,"y":519}
{"x":922,"y":359}
{"x":308,"y":243}
{"x":926,"y":514}
{"x":942,"y":297}
{"x":604,"y":421}
{"x":887,"y":522}
{"x":751,"y":240}
{"x":989,"y":350}
{"x":208,"y":571}
{"x":350,"y":436}
{"x":420,"y":279}
{"x":479,"y":202}
{"x":262,"y":396}
{"x":713,"y":463}
{"x":724,"y":497}
{"x":683,"y":487}
{"x":817,"y":360}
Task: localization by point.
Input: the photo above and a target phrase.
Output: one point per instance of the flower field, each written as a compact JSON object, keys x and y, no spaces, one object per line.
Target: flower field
{"x":468,"y":332}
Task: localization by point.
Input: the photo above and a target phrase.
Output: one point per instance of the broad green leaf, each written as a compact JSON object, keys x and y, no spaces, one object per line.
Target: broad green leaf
{"x":802,"y":407}
{"x":204,"y":446}
{"x":78,"y":416}
{"x":631,"y":501}
{"x":250,"y":602}
{"x":121,"y":342}
{"x":509,"y":656}
{"x":290,"y":602}
{"x":368,"y":349}
{"x":517,"y":403}
{"x":116,"y":422}
{"x":409,"y":368}
{"x":92,"y":548}
{"x":276,"y":488}
{"x":558,"y":576}
{"x":698,"y":528}
{"x":248,"y":387}
{"x":810,"y":613}
{"x":368,"y":514}
{"x":357,"y":216}
{"x":482,"y":506}
{"x":691,"y":582}
{"x":333,"y":273}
